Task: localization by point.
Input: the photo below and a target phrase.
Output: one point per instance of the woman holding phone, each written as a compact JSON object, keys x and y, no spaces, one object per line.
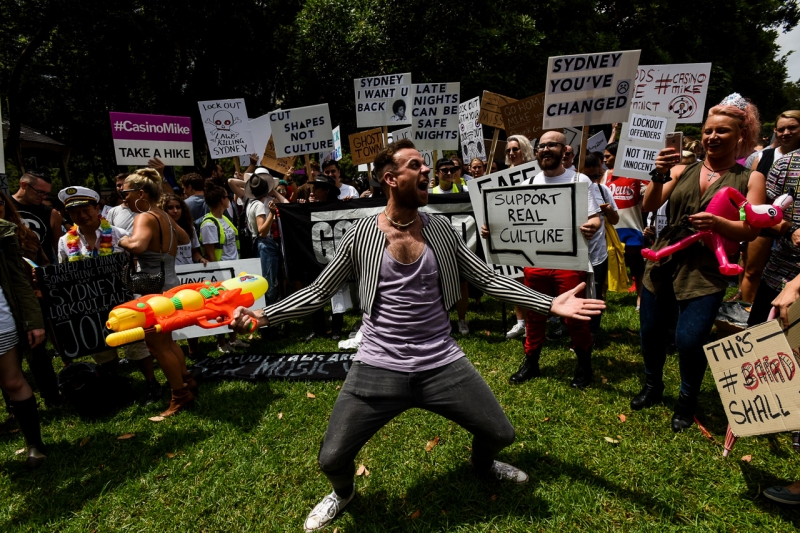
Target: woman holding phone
{"x":691,"y":277}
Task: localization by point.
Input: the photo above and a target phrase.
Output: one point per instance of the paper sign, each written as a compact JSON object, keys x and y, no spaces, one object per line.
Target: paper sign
{"x":140,"y":138}
{"x":365,"y":145}
{"x":679,"y":90}
{"x":470,"y":130}
{"x":405,"y":133}
{"x":271,"y":161}
{"x":214,"y":271}
{"x":303,"y":130}
{"x":336,"y":154}
{"x":435,"y":115}
{"x":227,"y":128}
{"x":261,"y":131}
{"x":596,"y":143}
{"x":640,"y":141}
{"x":588,"y":89}
{"x":383,"y":100}
{"x":524,"y":117}
{"x":756,"y":374}
{"x":490,"y":109}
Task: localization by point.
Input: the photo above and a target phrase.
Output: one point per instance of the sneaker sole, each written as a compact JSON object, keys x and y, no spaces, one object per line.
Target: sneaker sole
{"x":781,"y":500}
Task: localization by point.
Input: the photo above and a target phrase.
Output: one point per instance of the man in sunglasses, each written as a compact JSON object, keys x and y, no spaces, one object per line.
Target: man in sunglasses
{"x":45,"y":221}
{"x":446,"y":173}
{"x":569,"y":158}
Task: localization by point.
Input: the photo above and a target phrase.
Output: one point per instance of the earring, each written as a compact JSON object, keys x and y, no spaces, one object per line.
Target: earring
{"x":136,"y":205}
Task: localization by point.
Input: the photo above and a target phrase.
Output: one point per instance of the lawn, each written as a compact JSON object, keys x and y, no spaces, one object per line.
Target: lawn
{"x":244,"y":458}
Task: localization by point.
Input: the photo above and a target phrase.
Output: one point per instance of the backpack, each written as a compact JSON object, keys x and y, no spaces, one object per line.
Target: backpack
{"x":94,"y":392}
{"x":247,"y":241}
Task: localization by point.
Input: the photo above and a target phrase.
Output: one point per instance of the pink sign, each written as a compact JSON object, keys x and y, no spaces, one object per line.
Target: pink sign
{"x":139,"y":138}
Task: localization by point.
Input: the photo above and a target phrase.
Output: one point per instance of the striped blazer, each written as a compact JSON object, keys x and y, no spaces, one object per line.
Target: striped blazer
{"x":359,"y":257}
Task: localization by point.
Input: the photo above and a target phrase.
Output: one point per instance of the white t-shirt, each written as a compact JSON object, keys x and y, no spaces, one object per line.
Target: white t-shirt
{"x":598,"y":249}
{"x":255,"y":209}
{"x":121,"y":217}
{"x":184,"y":253}
{"x":210,"y":235}
{"x":348,"y":190}
{"x":598,"y":252}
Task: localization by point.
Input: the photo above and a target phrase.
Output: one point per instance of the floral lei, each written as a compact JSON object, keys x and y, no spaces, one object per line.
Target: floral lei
{"x":74,"y":242}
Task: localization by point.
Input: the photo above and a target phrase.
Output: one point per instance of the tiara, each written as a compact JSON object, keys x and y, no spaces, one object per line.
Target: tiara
{"x":736,"y":100}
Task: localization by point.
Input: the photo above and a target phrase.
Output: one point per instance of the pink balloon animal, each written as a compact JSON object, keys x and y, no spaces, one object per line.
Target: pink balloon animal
{"x":730,"y":204}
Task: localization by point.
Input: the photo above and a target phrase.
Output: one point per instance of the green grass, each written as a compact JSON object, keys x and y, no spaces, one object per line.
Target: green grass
{"x":237,"y":466}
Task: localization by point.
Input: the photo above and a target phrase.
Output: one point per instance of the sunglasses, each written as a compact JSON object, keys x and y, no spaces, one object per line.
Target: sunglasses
{"x":448,"y":170}
{"x":126,"y":191}
{"x":548,"y":146}
{"x":515,"y":149}
{"x":569,"y":154}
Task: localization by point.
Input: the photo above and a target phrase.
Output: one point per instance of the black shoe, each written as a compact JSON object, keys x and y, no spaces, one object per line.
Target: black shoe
{"x":681,"y":422}
{"x":35,"y":458}
{"x":527,"y":371}
{"x":683,"y":417}
{"x":154,"y":392}
{"x":651,"y":394}
{"x":583,"y":371}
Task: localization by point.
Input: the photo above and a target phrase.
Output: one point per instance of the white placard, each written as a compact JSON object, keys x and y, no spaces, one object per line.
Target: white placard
{"x":336,"y":153}
{"x":405,"y":133}
{"x":596,"y":143}
{"x":302,"y":130}
{"x":639,"y":143}
{"x":435,"y":115}
{"x":383,"y":100}
{"x":470,"y":130}
{"x":588,"y":89}
{"x":261,"y":130}
{"x":214,"y":271}
{"x":679,"y":90}
{"x":227,"y":128}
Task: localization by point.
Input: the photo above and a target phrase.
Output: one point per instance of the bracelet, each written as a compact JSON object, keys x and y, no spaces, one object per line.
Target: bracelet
{"x":657,"y":177}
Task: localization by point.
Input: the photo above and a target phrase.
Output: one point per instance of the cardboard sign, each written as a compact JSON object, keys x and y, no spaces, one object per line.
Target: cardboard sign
{"x":336,"y":154}
{"x":596,"y":143}
{"x":140,"y":138}
{"x":588,"y":89}
{"x":271,"y":161}
{"x":227,"y":128}
{"x":214,"y":271}
{"x":524,"y":117}
{"x":365,"y":145}
{"x":756,"y":372}
{"x":303,"y":130}
{"x":470,"y":130}
{"x":639,"y":143}
{"x":679,"y":90}
{"x":383,"y":100}
{"x":435,"y":115}
{"x":405,"y":133}
{"x":490,"y":109}
{"x":77,"y":299}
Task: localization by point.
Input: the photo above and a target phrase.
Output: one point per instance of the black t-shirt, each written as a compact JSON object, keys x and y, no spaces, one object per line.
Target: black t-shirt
{"x":37,"y":218}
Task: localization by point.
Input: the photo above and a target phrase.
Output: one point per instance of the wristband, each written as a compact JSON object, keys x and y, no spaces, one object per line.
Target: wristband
{"x":657,"y":177}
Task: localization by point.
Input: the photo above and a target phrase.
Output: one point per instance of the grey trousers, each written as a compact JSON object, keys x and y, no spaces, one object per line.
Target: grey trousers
{"x":371,"y":397}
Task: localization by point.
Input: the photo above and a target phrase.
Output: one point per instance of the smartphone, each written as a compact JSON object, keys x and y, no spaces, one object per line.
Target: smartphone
{"x":675,"y":140}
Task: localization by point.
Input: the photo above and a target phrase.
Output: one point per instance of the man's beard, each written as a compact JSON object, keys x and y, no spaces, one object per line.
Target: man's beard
{"x":552,"y":163}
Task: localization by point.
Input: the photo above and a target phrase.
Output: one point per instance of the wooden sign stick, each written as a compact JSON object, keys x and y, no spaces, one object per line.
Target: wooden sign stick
{"x":385,"y":136}
{"x":584,"y":142}
{"x":369,"y":177}
{"x":236,"y":164}
{"x":491,"y":151}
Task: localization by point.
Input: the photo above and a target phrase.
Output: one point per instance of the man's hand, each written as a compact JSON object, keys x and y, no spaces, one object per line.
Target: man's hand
{"x":254,"y":160}
{"x":485,"y":231}
{"x":346,"y":198}
{"x":588,"y":229}
{"x":788,"y":296}
{"x":157,"y":165}
{"x":243,"y":319}
{"x":570,"y":306}
{"x":35,"y":337}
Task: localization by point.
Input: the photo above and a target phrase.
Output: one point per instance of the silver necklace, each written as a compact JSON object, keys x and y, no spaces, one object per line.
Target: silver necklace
{"x":715,"y":172}
{"x":399,"y":225}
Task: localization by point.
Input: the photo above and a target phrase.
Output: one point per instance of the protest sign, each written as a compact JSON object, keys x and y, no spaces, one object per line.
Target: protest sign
{"x":382,"y":100}
{"x":227,"y":128}
{"x":756,"y":375}
{"x":214,"y":271}
{"x":405,"y":133}
{"x":679,"y":90}
{"x":77,"y":298}
{"x":524,"y":117}
{"x":303,"y":130}
{"x":365,"y":145}
{"x":435,"y":115}
{"x":640,"y":141}
{"x":471,"y":130}
{"x":271,"y":161}
{"x":261,"y":131}
{"x":490,"y":109}
{"x":597,"y":142}
{"x":313,"y":366}
{"x":140,"y":138}
{"x":588,"y":89}
{"x":336,"y":154}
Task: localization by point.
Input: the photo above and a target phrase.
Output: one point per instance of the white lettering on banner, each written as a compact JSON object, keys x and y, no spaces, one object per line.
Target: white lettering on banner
{"x":678,"y":90}
{"x":435,"y":115}
{"x":303,"y":130}
{"x":382,"y":100}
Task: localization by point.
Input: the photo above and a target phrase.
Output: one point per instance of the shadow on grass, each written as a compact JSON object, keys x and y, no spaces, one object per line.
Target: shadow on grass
{"x":243,"y":408}
{"x":75,"y":475}
{"x":757,"y":480}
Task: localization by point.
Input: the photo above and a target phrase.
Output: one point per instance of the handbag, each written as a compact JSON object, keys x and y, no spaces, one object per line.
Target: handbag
{"x":142,"y":282}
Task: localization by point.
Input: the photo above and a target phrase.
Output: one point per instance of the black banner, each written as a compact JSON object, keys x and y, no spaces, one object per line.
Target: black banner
{"x":311,"y":232}
{"x":77,"y":298}
{"x":296,"y":367}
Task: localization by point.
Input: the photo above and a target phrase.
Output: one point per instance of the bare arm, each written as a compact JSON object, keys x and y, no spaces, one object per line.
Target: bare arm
{"x":734,"y":229}
{"x":237,"y":185}
{"x":140,"y":237}
{"x":56,"y":220}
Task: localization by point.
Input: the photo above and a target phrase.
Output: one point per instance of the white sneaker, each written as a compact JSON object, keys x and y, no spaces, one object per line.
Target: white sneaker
{"x":239,"y":344}
{"x":326,"y":510}
{"x":516,"y":331}
{"x":462,"y":327}
{"x":507,"y":472}
{"x":225,"y":348}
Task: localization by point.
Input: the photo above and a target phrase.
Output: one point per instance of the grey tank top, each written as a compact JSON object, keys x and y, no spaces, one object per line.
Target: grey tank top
{"x":150,"y":261}
{"x":409,"y":329}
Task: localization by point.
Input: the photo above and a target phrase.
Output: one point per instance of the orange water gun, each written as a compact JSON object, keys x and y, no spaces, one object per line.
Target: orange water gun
{"x":205,"y":304}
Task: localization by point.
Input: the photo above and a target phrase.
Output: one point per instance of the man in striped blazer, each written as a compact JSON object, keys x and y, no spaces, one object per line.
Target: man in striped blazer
{"x":408,"y":265}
